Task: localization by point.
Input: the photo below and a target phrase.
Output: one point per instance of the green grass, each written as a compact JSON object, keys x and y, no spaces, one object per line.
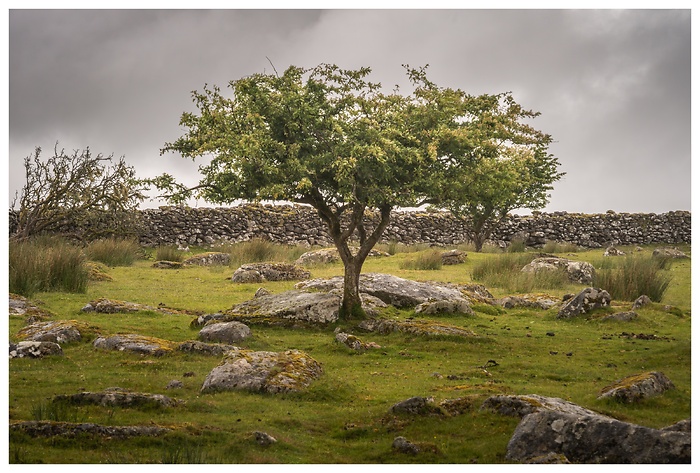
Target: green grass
{"x":628,"y":277}
{"x":343,"y":417}
{"x":427,"y":260}
{"x":258,"y":250}
{"x":113,"y":251}
{"x":169,"y":253}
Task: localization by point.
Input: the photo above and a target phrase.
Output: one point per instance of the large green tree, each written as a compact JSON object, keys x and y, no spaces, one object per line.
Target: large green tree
{"x":507,"y":167}
{"x":330,"y":138}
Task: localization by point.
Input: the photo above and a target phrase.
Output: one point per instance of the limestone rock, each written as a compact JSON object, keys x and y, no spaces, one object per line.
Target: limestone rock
{"x":669,"y":253}
{"x":57,"y":331}
{"x":117,"y":397}
{"x":72,"y":430}
{"x":595,"y":439}
{"x":19,"y":305}
{"x":175,"y":384}
{"x":139,"y":344}
{"x":392,"y":290}
{"x":416,"y":327}
{"x":400,"y":444}
{"x":262,"y":292}
{"x":680,"y":426}
{"x":641,"y":301}
{"x":476,"y":293}
{"x":330,"y":255}
{"x":110,"y":306}
{"x":226,"y":332}
{"x":529,"y":301}
{"x":621,"y":316}
{"x":167,"y":265}
{"x":416,"y":406}
{"x":612,"y":251}
{"x":579,"y":272}
{"x":587,"y":300}
{"x":637,"y":387}
{"x":264,"y":439}
{"x":212,"y":258}
{"x":210,"y":349}
{"x":522,"y":405}
{"x":294,"y":305}
{"x":261,"y":272}
{"x":33,"y":349}
{"x":453,"y":257}
{"x":263,"y":371}
{"x":353,"y":342}
{"x":459,"y":306}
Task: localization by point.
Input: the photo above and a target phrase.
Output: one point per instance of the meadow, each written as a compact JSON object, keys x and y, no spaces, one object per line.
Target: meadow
{"x":344,"y":417}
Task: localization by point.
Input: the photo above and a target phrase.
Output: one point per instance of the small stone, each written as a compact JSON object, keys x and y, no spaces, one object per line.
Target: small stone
{"x":175,"y":384}
{"x":264,"y":439}
{"x":402,"y":445}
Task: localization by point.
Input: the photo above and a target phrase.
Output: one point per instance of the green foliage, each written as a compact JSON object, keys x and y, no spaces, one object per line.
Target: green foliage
{"x":430,"y":260}
{"x":46,"y":264}
{"x":57,"y":412}
{"x":169,"y":253}
{"x":113,"y":251}
{"x":504,"y":271}
{"x":628,"y":277}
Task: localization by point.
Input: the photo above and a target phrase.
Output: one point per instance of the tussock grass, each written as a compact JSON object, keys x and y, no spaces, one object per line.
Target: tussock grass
{"x":46,"y":264}
{"x":557,"y":247}
{"x":517,"y":245}
{"x":427,"y":261}
{"x":628,"y":277}
{"x":258,"y":250}
{"x":394,"y":247}
{"x":113,"y":251}
{"x":169,"y":253}
{"x":504,"y":271}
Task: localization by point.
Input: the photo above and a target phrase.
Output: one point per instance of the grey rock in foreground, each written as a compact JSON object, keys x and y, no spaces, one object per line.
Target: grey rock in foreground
{"x":226,"y":332}
{"x":263,"y":371}
{"x":595,"y":439}
{"x":33,"y":349}
{"x":57,"y":331}
{"x":587,"y":300}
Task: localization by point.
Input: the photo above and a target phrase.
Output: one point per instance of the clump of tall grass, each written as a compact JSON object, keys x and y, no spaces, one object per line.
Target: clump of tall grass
{"x":504,"y":271}
{"x":169,"y":253}
{"x":426,"y":261}
{"x":626,"y":278}
{"x":113,"y":251}
{"x":46,"y":264}
{"x":517,"y":245}
{"x":258,"y":250}
{"x":393,"y":247}
{"x":557,"y":247}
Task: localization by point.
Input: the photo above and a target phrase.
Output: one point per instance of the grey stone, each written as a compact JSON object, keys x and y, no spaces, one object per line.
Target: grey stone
{"x":117,"y":397}
{"x":529,"y":301}
{"x":587,"y":300}
{"x":579,"y":272}
{"x":208,"y":259}
{"x":621,"y":316}
{"x":226,"y":332}
{"x":72,"y":430}
{"x":612,"y":251}
{"x":353,"y":342}
{"x":459,"y":306}
{"x":261,"y":272}
{"x":57,"y":331}
{"x":416,"y":406}
{"x":637,"y":387}
{"x":175,"y":384}
{"x":402,"y":445}
{"x":453,"y":257}
{"x":669,"y":253}
{"x":139,"y":344}
{"x":211,"y":349}
{"x":416,"y":327}
{"x":264,"y":439}
{"x":522,"y":405}
{"x":34,"y":349}
{"x":640,"y":302}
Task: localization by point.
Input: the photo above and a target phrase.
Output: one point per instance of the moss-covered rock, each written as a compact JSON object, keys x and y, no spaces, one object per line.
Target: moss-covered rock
{"x":139,"y":344}
{"x":637,"y":387}
{"x":58,"y":331}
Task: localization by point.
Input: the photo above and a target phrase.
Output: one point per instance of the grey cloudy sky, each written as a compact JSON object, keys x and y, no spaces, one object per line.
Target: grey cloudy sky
{"x":613,"y":86}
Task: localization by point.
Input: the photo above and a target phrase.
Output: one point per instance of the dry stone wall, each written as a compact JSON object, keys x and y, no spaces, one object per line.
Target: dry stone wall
{"x":296,"y":224}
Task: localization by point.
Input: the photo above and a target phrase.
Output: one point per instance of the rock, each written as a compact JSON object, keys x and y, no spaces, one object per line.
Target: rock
{"x":57,"y":331}
{"x":19,"y":305}
{"x":529,"y":301}
{"x":458,"y":406}
{"x":117,"y":397}
{"x":637,"y":387}
{"x":612,"y":251}
{"x":668,"y":253}
{"x":330,"y":255}
{"x":294,"y":305}
{"x":167,"y":265}
{"x":640,"y":302}
{"x":353,"y":342}
{"x":210,"y":349}
{"x":400,"y":444}
{"x":261,"y":292}
{"x":97,"y":271}
{"x":109,"y":306}
{"x":550,"y":458}
{"x":211,"y":258}
{"x":416,"y":406}
{"x":32,"y":349}
{"x":262,"y":371}
{"x":226,"y":332}
{"x":175,"y":384}
{"x":680,"y":426}
{"x":416,"y":327}
{"x":73,"y":430}
{"x":587,"y":300}
{"x":621,"y":316}
{"x":139,"y":344}
{"x":594,"y":439}
{"x":522,"y":405}
{"x":392,"y":290}
{"x":579,"y":272}
{"x":261,"y":272}
{"x":476,"y":293}
{"x":459,"y":306}
{"x":202,"y":320}
{"x":453,"y":257}
{"x":264,"y":439}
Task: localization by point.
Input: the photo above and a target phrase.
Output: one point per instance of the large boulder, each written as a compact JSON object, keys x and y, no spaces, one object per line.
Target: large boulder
{"x":32,"y":349}
{"x":579,"y":272}
{"x":392,"y":290}
{"x":637,"y":387}
{"x":522,"y":405}
{"x":140,"y":344}
{"x":226,"y":332}
{"x":595,"y":439}
{"x":263,"y":371}
{"x":261,"y":272}
{"x":57,"y":331}
{"x":587,"y":300}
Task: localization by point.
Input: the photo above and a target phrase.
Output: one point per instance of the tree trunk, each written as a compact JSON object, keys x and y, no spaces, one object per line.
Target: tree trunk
{"x":351,"y":305}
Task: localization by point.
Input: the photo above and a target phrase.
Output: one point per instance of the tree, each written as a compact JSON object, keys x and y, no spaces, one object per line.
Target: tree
{"x":329,"y":138}
{"x":80,"y":189}
{"x":511,"y":168}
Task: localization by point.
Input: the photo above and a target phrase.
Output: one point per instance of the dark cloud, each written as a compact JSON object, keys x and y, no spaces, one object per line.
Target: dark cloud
{"x":613,"y":86}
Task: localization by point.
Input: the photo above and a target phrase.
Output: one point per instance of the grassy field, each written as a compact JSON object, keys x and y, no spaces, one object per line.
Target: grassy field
{"x":344,"y":416}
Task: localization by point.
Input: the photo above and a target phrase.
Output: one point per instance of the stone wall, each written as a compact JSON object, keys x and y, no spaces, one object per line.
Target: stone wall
{"x":301,"y":225}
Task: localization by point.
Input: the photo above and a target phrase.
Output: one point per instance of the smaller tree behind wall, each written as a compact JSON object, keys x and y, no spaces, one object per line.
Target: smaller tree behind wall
{"x":512,"y":169}
{"x":88,"y":196}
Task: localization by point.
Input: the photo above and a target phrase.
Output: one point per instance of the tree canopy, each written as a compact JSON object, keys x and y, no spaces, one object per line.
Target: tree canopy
{"x":330,"y":138}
